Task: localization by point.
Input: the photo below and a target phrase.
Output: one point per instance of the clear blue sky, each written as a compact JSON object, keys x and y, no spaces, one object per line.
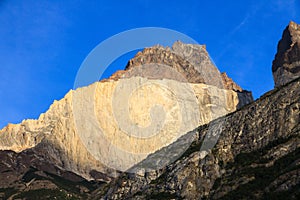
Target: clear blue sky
{"x":43,"y":43}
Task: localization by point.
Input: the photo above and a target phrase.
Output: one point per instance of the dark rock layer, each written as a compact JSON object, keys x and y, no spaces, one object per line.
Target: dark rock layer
{"x":190,"y":62}
{"x":286,"y":65}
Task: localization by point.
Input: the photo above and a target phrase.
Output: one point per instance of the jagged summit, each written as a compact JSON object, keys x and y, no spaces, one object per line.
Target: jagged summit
{"x":191,"y":61}
{"x":286,"y":65}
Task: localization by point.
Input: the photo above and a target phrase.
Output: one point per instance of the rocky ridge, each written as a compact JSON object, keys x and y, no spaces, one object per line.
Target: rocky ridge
{"x":56,"y":131}
{"x":191,"y":61}
{"x":256,"y":155}
{"x":257,"y":151}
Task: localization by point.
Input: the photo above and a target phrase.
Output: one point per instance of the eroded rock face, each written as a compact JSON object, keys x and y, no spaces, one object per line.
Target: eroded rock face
{"x":190,"y":60}
{"x":256,"y":157}
{"x":53,"y":136}
{"x":101,"y":128}
{"x":57,"y":125}
{"x":286,"y":65}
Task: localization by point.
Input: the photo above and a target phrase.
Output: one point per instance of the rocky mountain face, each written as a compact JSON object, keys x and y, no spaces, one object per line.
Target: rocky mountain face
{"x":286,"y":65}
{"x":256,"y":157}
{"x":183,"y":80}
{"x":242,"y":149}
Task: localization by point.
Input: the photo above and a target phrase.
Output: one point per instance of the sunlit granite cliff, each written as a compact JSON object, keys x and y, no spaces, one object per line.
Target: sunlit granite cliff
{"x":157,"y":76}
{"x":227,"y":145}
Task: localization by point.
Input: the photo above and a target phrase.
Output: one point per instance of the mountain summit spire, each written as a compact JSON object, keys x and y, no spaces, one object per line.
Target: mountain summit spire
{"x":286,"y":65}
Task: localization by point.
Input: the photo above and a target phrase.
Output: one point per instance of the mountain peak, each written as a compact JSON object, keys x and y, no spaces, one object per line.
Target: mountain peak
{"x":293,"y":25}
{"x":286,"y":65}
{"x":183,"y":62}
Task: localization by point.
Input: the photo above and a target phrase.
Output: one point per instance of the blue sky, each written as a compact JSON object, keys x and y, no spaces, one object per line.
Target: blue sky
{"x":43,"y":43}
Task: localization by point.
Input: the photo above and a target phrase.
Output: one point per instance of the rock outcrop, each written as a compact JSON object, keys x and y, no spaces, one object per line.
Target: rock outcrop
{"x":183,"y":90}
{"x":27,"y":175}
{"x":256,"y":157}
{"x":190,"y":60}
{"x":191,"y":63}
{"x":57,"y":125}
{"x":286,"y":65}
{"x":250,"y":153}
